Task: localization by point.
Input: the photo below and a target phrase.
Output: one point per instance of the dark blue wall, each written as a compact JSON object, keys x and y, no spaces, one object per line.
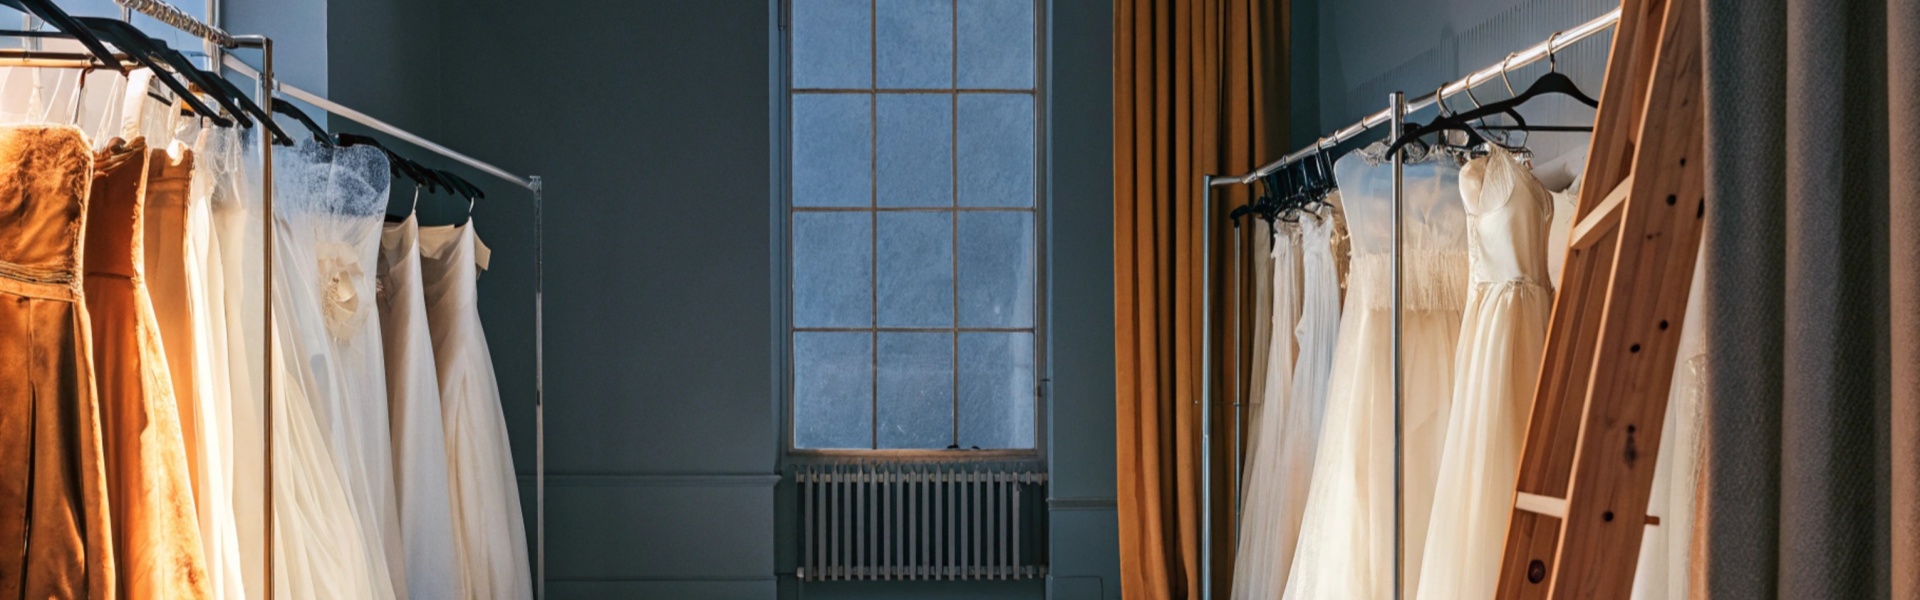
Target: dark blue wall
{"x":654,"y":123}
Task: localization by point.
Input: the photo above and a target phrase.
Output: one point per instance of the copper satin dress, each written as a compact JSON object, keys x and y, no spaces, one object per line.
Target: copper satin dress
{"x":155,"y":524}
{"x":55,"y":535}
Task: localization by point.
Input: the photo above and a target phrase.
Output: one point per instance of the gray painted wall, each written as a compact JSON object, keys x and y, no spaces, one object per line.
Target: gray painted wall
{"x":1351,"y":53}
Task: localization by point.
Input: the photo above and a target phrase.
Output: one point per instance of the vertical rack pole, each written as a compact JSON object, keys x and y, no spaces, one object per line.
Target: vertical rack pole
{"x":539,"y":387}
{"x":1239,"y":390}
{"x":1397,"y":106}
{"x":266,"y":287}
{"x":1206,"y":390}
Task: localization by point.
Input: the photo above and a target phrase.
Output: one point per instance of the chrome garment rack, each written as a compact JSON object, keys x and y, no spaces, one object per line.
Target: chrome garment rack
{"x":532,"y":183}
{"x":1394,"y":116}
{"x":218,"y":41}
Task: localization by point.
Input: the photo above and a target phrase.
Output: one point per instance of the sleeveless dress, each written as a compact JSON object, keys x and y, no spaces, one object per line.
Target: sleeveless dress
{"x":156,"y":528}
{"x":231,"y":158}
{"x":487,"y":521}
{"x":1497,"y":365}
{"x":331,"y":465}
{"x":420,"y":460}
{"x":1256,"y":572}
{"x":55,"y":533}
{"x":1346,"y":542}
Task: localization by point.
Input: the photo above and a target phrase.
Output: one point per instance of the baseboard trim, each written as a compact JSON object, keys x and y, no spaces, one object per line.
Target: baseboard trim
{"x":667,"y":579}
{"x":638,"y":480}
{"x":1088,"y":503}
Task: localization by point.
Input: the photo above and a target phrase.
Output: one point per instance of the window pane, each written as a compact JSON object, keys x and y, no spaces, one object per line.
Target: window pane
{"x":996,"y":150}
{"x":832,"y":390}
{"x":996,"y":44}
{"x":916,"y":390}
{"x":916,"y":150}
{"x":832,"y":44}
{"x":996,"y":269}
{"x":832,"y":269}
{"x":916,"y":269}
{"x":915,"y":43}
{"x":832,"y":150}
{"x":996,"y":390}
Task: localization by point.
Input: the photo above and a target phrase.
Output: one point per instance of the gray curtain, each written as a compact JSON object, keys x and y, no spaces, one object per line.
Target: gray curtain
{"x":1813,"y":295}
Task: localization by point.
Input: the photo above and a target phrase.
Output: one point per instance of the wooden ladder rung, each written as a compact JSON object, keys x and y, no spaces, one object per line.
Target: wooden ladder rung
{"x":1598,"y":223}
{"x":1551,"y":506}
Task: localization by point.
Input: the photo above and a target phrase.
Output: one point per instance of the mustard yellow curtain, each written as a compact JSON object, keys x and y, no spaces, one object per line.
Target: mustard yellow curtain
{"x":1199,"y":88}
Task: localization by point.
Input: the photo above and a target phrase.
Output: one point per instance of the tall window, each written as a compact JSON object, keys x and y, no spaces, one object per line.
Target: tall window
{"x":913,"y":192}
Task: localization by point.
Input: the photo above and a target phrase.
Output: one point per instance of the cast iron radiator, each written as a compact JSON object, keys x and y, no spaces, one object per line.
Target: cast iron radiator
{"x":921,"y":521}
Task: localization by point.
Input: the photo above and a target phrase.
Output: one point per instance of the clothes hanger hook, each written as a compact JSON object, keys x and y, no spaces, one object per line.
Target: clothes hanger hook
{"x":1503,"y":75}
{"x":1553,"y":59}
{"x":1440,"y":99}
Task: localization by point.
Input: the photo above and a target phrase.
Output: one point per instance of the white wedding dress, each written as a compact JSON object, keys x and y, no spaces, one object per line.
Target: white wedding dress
{"x":1346,"y":542}
{"x":1263,"y":529}
{"x":488,"y":525}
{"x":420,"y":460}
{"x":1666,"y":550}
{"x":333,"y":470}
{"x":1496,"y":367}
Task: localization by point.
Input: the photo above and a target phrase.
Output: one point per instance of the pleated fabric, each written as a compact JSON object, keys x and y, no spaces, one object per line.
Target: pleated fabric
{"x":1346,"y":546}
{"x":1262,"y":525}
{"x":56,"y":533}
{"x":156,"y":525}
{"x":1496,"y":368}
{"x":435,"y":565}
{"x":489,"y":526}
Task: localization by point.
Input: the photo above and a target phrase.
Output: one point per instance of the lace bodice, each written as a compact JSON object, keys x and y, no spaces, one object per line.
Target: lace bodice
{"x":1435,"y":257}
{"x":1508,"y":213}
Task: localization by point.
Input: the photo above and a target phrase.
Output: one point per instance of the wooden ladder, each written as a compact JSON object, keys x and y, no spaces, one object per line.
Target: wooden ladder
{"x":1586,"y":470}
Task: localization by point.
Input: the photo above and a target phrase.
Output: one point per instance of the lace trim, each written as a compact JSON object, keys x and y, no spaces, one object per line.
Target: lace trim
{"x":1433,"y":281}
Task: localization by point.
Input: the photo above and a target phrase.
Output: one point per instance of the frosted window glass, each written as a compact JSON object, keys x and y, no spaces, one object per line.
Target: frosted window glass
{"x":832,"y":269}
{"x":916,"y":269}
{"x":996,"y":269}
{"x":832,"y":44}
{"x":916,"y":390}
{"x":832,"y":150}
{"x":916,"y":149}
{"x":915,"y":43}
{"x":833,"y":390}
{"x":996,"y":390}
{"x":996,"y":160}
{"x":996,"y":44}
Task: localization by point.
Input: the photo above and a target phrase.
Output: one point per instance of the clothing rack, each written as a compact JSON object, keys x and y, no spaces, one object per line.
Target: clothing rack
{"x":218,"y":40}
{"x":1394,"y":116}
{"x":532,"y":183}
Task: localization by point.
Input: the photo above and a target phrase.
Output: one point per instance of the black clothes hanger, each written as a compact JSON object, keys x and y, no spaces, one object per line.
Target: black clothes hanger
{"x":45,"y":10}
{"x":140,"y":48}
{"x":248,"y":106}
{"x":181,"y":66}
{"x":319,"y":135}
{"x":1552,"y":83}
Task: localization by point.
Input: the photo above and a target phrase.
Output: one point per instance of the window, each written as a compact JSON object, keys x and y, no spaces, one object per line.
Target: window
{"x":913,"y":186}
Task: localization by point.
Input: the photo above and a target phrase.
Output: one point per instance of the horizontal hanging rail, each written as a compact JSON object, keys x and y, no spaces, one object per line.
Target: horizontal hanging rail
{"x":1554,"y":43}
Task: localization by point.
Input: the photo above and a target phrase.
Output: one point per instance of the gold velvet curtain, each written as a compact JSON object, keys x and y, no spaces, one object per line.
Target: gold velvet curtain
{"x":1199,"y":88}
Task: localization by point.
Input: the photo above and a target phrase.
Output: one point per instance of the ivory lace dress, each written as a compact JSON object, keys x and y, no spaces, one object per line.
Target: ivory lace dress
{"x":1346,"y":544}
{"x":333,"y":471}
{"x":1496,"y":366}
{"x":487,"y":522}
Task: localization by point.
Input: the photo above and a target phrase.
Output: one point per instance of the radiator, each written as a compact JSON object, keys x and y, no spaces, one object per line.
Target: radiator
{"x":919,"y":521}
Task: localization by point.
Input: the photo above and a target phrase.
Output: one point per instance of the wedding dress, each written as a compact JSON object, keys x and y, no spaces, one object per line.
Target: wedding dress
{"x":231,"y":161}
{"x":1666,"y":550}
{"x":1496,"y":367}
{"x":486,"y":494}
{"x":420,"y":460}
{"x":335,"y":537}
{"x":1256,"y":572}
{"x":1346,"y":542}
